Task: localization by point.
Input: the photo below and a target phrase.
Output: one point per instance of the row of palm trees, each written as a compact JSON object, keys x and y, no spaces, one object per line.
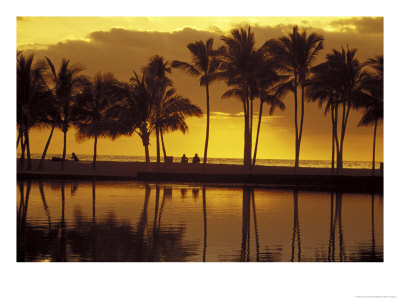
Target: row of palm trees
{"x":148,"y":103}
{"x":97,"y":107}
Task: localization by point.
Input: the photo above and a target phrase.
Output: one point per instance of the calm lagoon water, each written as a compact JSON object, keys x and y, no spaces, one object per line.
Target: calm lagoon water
{"x":135,"y":221}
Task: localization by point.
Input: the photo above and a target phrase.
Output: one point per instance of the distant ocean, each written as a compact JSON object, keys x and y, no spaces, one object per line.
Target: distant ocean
{"x":230,"y":161}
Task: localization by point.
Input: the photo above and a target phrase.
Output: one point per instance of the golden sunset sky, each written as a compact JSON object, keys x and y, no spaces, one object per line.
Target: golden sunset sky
{"x":124,"y":44}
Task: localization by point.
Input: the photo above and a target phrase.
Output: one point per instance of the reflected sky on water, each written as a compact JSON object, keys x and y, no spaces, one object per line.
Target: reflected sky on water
{"x":135,"y":221}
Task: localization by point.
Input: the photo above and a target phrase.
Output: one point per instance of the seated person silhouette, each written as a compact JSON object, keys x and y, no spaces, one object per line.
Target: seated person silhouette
{"x":184,"y":159}
{"x":74,"y":157}
{"x":196,"y":159}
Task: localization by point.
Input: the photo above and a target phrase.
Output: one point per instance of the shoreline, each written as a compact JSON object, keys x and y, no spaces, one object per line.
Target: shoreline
{"x":352,"y":180}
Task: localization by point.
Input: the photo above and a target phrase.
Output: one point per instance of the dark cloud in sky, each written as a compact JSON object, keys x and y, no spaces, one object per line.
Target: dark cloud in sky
{"x":367,"y":25}
{"x":123,"y":51}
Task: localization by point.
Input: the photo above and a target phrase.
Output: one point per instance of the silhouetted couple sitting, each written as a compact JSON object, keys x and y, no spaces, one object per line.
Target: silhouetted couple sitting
{"x":196,"y":159}
{"x":57,"y":158}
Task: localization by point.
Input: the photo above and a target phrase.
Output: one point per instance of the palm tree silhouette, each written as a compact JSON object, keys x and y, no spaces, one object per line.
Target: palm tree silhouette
{"x":156,"y":76}
{"x":172,"y":112}
{"x":133,"y":112}
{"x":271,"y":98}
{"x":204,"y":65}
{"x":137,"y":111}
{"x":50,"y":118}
{"x":338,"y":79}
{"x":324,"y":86}
{"x":294,"y":55}
{"x":241,"y":64}
{"x":32,"y":93}
{"x":90,"y":108}
{"x":372,"y":86}
{"x":65,"y":85}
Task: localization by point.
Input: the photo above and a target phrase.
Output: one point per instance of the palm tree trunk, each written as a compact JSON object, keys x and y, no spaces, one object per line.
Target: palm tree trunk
{"x":301,"y":124}
{"x":95,"y":152}
{"x":158,"y":144}
{"x":64,"y":149}
{"x":336,"y":137}
{"x":258,"y":132}
{"x":46,"y":147}
{"x":163,"y":146}
{"x":373,"y":149}
{"x":208,"y":124}
{"x":247,"y":143}
{"x":22,"y":159}
{"x":19,"y":136}
{"x":333,"y":141}
{"x":146,"y":151}
{"x":296,"y":161}
{"x":28,"y":151}
{"x":344,"y":123}
{"x":251,"y":129}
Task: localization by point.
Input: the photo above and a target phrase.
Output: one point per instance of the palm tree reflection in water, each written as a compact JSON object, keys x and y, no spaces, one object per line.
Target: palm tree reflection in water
{"x":296,"y":228}
{"x":21,"y":220}
{"x":248,"y":201}
{"x":205,"y":223}
{"x":107,"y":237}
{"x":46,"y":208}
{"x":91,"y":239}
{"x":373,"y":225}
{"x":336,"y":225}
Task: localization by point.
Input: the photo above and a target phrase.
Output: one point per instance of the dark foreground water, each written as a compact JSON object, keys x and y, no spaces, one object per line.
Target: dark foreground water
{"x":135,"y":221}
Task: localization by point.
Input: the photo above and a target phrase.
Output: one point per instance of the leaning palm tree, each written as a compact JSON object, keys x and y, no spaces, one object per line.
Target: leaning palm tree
{"x":294,"y":55}
{"x":31,"y":94}
{"x":133,"y":112}
{"x":136,"y":111}
{"x":204,"y":65}
{"x":65,"y":85}
{"x":90,"y":109}
{"x":172,"y":113}
{"x":273,"y":100}
{"x":270,"y":89}
{"x":372,"y":86}
{"x":50,"y":118}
